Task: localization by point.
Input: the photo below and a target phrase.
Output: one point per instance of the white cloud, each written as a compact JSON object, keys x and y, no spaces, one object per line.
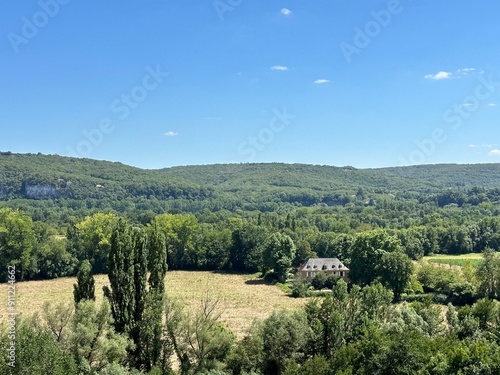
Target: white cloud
{"x":466,"y":70}
{"x":459,"y":73}
{"x":484,"y":145}
{"x":286,"y":11}
{"x":170,"y":134}
{"x":279,"y":67}
{"x":321,"y":81}
{"x":495,"y":152}
{"x":439,"y":75}
{"x":492,"y":105}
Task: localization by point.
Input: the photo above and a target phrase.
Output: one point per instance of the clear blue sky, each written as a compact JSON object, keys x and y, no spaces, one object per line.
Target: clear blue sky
{"x":163,"y":83}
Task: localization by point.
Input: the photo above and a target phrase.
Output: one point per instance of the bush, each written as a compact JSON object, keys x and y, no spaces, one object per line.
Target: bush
{"x":319,"y":281}
{"x":331,"y":281}
{"x":300,"y":288}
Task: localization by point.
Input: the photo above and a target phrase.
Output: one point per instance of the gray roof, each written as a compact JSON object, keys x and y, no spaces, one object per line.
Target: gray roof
{"x":323,"y":264}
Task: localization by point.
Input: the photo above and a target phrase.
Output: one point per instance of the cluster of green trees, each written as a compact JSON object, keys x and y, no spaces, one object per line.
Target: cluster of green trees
{"x":246,"y":241}
{"x":353,"y":330}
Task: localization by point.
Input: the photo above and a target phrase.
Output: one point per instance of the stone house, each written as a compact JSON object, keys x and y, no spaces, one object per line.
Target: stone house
{"x":330,"y":266}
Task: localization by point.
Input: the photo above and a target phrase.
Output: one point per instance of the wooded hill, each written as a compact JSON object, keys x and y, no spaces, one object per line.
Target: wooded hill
{"x":262,"y":187}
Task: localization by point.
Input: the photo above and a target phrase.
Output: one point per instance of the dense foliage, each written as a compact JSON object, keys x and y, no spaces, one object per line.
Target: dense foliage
{"x":398,"y":315}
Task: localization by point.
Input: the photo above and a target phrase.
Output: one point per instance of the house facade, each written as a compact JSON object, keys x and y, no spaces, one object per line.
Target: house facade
{"x":329,"y":266}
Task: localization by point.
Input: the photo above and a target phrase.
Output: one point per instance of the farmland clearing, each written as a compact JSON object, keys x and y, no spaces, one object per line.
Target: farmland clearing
{"x":243,"y":298}
{"x":474,"y":259}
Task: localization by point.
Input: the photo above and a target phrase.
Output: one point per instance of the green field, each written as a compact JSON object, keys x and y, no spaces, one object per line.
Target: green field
{"x":474,"y":259}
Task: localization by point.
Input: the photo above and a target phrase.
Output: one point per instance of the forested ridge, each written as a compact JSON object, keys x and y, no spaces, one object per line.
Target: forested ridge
{"x":83,"y":184}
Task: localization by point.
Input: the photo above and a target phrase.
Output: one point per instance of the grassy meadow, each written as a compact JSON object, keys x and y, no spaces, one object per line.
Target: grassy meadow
{"x":473,"y":259}
{"x":242,"y":297}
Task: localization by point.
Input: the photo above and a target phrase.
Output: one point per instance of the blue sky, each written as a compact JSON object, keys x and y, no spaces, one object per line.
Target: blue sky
{"x":164,"y":83}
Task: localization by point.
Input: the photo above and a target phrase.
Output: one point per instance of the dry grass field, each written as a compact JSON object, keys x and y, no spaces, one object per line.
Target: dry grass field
{"x":243,"y":297}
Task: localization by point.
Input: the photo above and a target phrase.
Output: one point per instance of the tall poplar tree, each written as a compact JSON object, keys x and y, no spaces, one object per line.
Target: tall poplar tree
{"x":121,"y":277}
{"x":136,"y":301}
{"x":151,"y":328}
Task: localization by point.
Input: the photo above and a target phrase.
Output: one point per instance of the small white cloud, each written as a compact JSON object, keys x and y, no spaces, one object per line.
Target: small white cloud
{"x":495,"y":152}
{"x":439,"y":75}
{"x":170,"y":134}
{"x":321,"y":81}
{"x":466,"y":70}
{"x":492,"y":105}
{"x":473,"y":146}
{"x":279,"y":67}
{"x":286,"y":11}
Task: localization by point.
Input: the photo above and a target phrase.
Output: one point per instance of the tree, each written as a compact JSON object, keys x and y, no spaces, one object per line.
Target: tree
{"x":36,"y":351}
{"x":366,"y":252}
{"x":91,"y":239}
{"x":84,"y":289}
{"x":179,"y":232}
{"x":213,"y":248}
{"x":300,"y":287}
{"x":488,"y":274}
{"x":17,"y":241}
{"x":148,"y":322}
{"x":199,"y":339}
{"x":121,"y":277}
{"x":376,"y":301}
{"x":93,"y":341}
{"x":303,"y":253}
{"x":335,"y":321}
{"x":245,"y":252}
{"x":53,"y":260}
{"x":395,"y":270}
{"x":57,"y":319}
{"x":137,"y":309}
{"x":278,"y":255}
{"x":284,"y":339}
{"x":138,"y":296}
{"x":247,"y":356}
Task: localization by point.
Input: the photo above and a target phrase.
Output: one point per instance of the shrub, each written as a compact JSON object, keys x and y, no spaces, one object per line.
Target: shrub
{"x":300,"y":288}
{"x":319,"y":281}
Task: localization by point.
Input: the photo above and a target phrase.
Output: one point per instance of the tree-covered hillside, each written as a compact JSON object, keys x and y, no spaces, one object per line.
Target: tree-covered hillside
{"x":54,"y":188}
{"x":449,"y":175}
{"x":50,"y":176}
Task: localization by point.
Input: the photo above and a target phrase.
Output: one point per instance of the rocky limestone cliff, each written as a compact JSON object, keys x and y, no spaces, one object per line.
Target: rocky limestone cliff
{"x":39,"y":191}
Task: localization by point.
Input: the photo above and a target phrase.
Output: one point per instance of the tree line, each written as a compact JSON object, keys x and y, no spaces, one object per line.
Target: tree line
{"x":244,"y":242}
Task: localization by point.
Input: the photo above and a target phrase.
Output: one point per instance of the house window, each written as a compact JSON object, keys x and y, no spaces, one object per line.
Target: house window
{"x":342,"y":273}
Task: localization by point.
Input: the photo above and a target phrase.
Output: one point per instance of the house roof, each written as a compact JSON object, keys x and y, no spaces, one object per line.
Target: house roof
{"x":323,"y":264}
